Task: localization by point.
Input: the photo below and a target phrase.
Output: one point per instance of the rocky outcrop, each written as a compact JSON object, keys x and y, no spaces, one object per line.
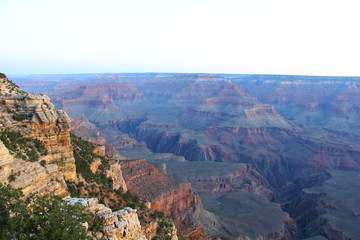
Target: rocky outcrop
{"x":31,"y":177}
{"x":266,"y":116}
{"x":114,"y":172}
{"x":5,"y":157}
{"x":175,"y":199}
{"x":123,"y":224}
{"x":165,"y":194}
{"x":34,"y":117}
{"x":99,"y":150}
{"x":53,"y":129}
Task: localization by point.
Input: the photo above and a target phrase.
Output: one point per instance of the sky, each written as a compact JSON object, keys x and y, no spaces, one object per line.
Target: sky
{"x":300,"y":37}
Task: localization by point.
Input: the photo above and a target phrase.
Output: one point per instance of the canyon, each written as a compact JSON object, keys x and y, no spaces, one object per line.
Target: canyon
{"x":39,"y":157}
{"x":225,"y":155}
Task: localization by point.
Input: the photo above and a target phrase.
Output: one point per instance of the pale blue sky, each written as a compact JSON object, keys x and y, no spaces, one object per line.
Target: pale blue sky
{"x":312,"y":37}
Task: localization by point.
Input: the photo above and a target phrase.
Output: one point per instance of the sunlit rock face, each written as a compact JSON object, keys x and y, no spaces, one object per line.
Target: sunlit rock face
{"x":174,"y":199}
{"x":123,"y":224}
{"x":35,"y":118}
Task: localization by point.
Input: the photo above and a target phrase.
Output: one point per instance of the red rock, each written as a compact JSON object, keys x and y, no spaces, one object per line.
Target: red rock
{"x":164,"y":194}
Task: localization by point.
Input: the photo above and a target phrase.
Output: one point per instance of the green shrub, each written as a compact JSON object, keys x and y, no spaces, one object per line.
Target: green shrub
{"x":73,"y":189}
{"x":157,"y":214}
{"x":40,"y":218}
{"x":24,"y":148}
{"x":11,"y":177}
{"x":20,"y":117}
{"x":84,"y":156}
{"x":43,"y":163}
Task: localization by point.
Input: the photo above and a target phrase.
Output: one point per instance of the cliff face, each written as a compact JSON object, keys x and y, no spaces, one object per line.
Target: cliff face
{"x":31,"y":176}
{"x":175,"y":199}
{"x":34,"y":117}
{"x":36,"y":155}
{"x":123,"y":224}
{"x":221,"y":178}
{"x":234,"y":191}
{"x":164,"y":194}
{"x":326,"y":205}
{"x":285,"y":127}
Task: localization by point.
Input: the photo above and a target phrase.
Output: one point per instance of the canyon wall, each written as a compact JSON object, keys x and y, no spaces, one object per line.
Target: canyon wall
{"x":123,"y":224}
{"x":34,"y":117}
{"x":174,"y":199}
{"x":285,"y":128}
{"x":36,"y":155}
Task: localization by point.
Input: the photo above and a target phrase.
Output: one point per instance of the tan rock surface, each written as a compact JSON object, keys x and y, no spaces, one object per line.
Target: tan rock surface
{"x":116,"y":175}
{"x":31,"y":177}
{"x":119,"y":225}
{"x":35,"y":117}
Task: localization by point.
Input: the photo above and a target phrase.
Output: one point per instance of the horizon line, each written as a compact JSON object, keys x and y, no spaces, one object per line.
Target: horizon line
{"x":160,"y":72}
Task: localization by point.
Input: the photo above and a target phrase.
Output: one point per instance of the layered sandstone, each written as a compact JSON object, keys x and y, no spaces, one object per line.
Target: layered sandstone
{"x":123,"y":224}
{"x":175,"y":199}
{"x":114,"y":172}
{"x":31,"y":177}
{"x":221,"y":178}
{"x":35,"y":117}
{"x":164,"y":194}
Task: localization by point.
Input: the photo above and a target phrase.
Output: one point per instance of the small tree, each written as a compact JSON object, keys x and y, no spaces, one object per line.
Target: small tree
{"x":40,"y":218}
{"x":53,"y":218}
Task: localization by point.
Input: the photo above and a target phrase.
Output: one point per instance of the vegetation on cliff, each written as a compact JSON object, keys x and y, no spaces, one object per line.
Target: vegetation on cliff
{"x":45,"y":217}
{"x":39,"y":157}
{"x":84,"y":156}
{"x":163,"y":229}
{"x":23,"y":148}
{"x":98,"y":185}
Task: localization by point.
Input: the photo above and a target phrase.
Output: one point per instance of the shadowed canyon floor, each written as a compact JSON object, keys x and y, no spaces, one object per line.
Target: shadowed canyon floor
{"x":270,"y":156}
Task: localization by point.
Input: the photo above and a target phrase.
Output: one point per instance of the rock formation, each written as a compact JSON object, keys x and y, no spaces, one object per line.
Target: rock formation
{"x":31,"y":177}
{"x":123,"y":224}
{"x":34,"y":117}
{"x":174,"y":199}
{"x":36,"y":156}
{"x":81,"y":127}
{"x":116,"y":175}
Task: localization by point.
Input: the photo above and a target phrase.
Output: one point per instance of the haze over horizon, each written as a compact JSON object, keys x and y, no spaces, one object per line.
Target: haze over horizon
{"x":248,"y":37}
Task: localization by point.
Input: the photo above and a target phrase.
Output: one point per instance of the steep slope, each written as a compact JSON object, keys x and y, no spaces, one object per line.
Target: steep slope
{"x":327,"y":205}
{"x":37,"y":136}
{"x":288,"y":128}
{"x":164,"y":194}
{"x":236,"y":191}
{"x":38,"y":156}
